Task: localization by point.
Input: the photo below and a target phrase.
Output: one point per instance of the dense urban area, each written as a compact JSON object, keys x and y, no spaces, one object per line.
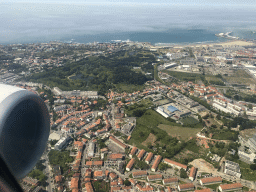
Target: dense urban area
{"x":131,"y":116}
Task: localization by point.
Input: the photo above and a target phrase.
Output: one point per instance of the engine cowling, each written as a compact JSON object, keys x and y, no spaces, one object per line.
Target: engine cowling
{"x":24,"y":129}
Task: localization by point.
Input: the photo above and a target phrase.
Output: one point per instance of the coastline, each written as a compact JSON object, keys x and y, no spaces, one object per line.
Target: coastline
{"x":224,"y":44}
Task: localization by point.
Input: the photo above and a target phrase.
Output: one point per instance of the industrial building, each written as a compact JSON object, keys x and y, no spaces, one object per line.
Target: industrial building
{"x":170,"y":65}
{"x":173,"y":110}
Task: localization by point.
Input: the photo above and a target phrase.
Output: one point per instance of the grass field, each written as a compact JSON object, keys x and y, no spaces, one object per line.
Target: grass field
{"x":151,"y":139}
{"x":190,"y":121}
{"x":162,"y":102}
{"x":212,"y":78}
{"x":213,"y":186}
{"x":246,"y":172}
{"x":225,"y":134}
{"x":184,"y":76}
{"x":128,"y":88}
{"x":240,"y":77}
{"x":182,"y":132}
{"x":150,"y":120}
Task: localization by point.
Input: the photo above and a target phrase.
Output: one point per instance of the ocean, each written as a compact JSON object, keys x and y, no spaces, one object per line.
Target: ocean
{"x":174,"y":36}
{"x":154,"y":23}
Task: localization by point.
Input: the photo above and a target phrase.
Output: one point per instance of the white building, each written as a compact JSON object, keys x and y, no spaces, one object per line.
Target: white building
{"x":61,"y":143}
{"x":252,"y":143}
{"x":160,"y":110}
{"x":232,"y":168}
{"x":246,"y":157}
{"x":91,"y":149}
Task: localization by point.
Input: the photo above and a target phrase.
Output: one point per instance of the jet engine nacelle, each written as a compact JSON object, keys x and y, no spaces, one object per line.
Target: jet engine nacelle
{"x":24,"y":129}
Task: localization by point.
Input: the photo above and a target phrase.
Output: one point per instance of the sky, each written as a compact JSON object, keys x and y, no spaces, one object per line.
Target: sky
{"x":30,"y":19}
{"x":134,"y":2}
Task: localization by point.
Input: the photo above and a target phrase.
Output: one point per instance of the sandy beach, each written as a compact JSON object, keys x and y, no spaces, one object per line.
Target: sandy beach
{"x":224,"y":44}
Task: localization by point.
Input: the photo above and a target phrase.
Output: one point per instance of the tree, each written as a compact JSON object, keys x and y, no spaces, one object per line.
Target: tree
{"x":183,"y":174}
{"x":141,"y":164}
{"x":253,"y":166}
{"x":127,"y":183}
{"x":162,"y":166}
{"x":40,"y":166}
{"x":138,"y":112}
{"x":141,"y":134}
{"x":53,"y":142}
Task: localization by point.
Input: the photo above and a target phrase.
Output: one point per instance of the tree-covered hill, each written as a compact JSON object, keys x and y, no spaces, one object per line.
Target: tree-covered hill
{"x":99,"y":73}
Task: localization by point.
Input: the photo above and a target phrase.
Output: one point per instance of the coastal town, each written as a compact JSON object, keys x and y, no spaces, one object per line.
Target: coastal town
{"x":189,"y":127}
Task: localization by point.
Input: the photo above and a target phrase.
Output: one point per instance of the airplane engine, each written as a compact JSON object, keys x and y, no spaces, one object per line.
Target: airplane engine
{"x":24,"y":129}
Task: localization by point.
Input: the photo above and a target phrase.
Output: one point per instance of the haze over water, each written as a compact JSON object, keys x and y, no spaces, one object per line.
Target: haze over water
{"x":102,"y":22}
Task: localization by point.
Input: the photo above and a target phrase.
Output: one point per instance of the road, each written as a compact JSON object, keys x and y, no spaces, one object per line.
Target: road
{"x":47,"y":172}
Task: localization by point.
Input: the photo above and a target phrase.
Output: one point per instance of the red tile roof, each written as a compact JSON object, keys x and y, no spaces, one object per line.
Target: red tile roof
{"x":98,"y":173}
{"x":211,"y":180}
{"x":153,"y":177}
{"x":139,"y":173}
{"x":133,"y":151}
{"x":95,"y":163}
{"x":74,"y":183}
{"x":171,"y":180}
{"x":132,"y":181}
{"x":149,"y":157}
{"x":58,"y":178}
{"x":141,"y":153}
{"x":231,"y":186}
{"x":114,"y":183}
{"x":156,"y":162}
{"x":186,"y":186}
{"x":130,"y":164}
{"x":88,"y":187}
{"x":112,"y":175}
{"x":175,"y":163}
{"x":116,"y":156}
{"x":117,"y":141}
{"x":192,"y":172}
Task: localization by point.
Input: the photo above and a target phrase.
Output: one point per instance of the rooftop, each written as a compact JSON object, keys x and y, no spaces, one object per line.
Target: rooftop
{"x":186,"y":186}
{"x":211,"y":179}
{"x":231,"y":186}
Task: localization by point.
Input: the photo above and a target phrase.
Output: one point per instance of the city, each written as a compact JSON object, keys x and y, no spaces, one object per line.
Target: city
{"x":189,"y":127}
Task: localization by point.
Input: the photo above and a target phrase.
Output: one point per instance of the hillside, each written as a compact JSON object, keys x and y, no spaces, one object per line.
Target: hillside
{"x":99,"y":73}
